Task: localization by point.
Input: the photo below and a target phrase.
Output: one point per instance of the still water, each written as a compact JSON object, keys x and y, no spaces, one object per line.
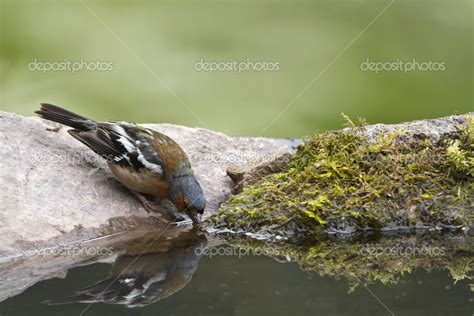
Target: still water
{"x":197,"y":275}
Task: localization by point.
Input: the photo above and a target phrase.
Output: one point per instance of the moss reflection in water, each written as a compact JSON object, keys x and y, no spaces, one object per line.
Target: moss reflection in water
{"x":366,"y":260}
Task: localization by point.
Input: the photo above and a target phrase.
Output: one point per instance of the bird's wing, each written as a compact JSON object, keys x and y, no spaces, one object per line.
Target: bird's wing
{"x":91,"y":140}
{"x":158,"y":149}
{"x":142,"y":138}
{"x":174,"y":157}
{"x":124,"y":144}
{"x":130,"y":290}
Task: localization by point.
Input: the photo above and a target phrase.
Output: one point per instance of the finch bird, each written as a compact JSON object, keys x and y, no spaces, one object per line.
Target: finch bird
{"x":150,"y":164}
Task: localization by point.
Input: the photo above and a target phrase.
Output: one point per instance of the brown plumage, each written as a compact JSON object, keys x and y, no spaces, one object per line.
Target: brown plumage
{"x":149,"y":163}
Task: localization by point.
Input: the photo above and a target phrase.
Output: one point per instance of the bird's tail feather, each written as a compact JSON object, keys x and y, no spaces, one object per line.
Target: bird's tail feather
{"x":81,"y":298}
{"x":56,"y":114}
{"x":102,"y":291}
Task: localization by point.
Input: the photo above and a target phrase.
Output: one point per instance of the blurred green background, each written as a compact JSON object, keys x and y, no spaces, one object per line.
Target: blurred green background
{"x":319,"y":47}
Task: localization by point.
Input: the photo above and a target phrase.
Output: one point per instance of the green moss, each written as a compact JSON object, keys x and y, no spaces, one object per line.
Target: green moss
{"x":342,"y":181}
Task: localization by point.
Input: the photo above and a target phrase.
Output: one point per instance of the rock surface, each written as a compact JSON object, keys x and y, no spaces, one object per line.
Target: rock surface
{"x":249,"y":174}
{"x":52,"y":186}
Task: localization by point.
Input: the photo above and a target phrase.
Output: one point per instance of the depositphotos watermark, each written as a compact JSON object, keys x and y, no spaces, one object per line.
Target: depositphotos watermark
{"x":235,"y":252}
{"x":67,"y":158}
{"x":237,"y":157}
{"x":67,"y":65}
{"x":402,"y":66}
{"x":87,"y":157}
{"x":70,"y":251}
{"x":212,"y":66}
{"x":402,"y":251}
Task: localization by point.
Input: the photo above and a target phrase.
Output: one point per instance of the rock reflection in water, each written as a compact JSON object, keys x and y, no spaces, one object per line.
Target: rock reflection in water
{"x":138,"y":279}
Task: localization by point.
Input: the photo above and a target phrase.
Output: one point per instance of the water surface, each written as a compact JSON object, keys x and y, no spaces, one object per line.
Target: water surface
{"x":184,"y":278}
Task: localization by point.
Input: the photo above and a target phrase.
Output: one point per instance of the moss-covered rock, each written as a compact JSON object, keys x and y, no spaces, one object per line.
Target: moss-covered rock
{"x":358,"y":179}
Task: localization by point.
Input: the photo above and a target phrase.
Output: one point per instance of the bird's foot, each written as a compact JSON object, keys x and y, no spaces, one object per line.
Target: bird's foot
{"x":171,"y":209}
{"x":149,"y":206}
{"x":165,"y":207}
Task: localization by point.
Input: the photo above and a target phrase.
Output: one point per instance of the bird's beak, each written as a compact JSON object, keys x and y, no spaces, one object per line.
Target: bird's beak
{"x":196,"y":218}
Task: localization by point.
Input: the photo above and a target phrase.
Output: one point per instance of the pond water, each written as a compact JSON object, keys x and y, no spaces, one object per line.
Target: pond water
{"x":195,"y":275}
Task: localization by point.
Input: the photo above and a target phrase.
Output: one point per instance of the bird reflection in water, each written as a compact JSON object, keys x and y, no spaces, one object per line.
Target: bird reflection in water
{"x":137,"y":279}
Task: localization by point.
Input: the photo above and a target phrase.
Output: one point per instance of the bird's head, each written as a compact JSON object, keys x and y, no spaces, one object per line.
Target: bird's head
{"x":187,"y":195}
